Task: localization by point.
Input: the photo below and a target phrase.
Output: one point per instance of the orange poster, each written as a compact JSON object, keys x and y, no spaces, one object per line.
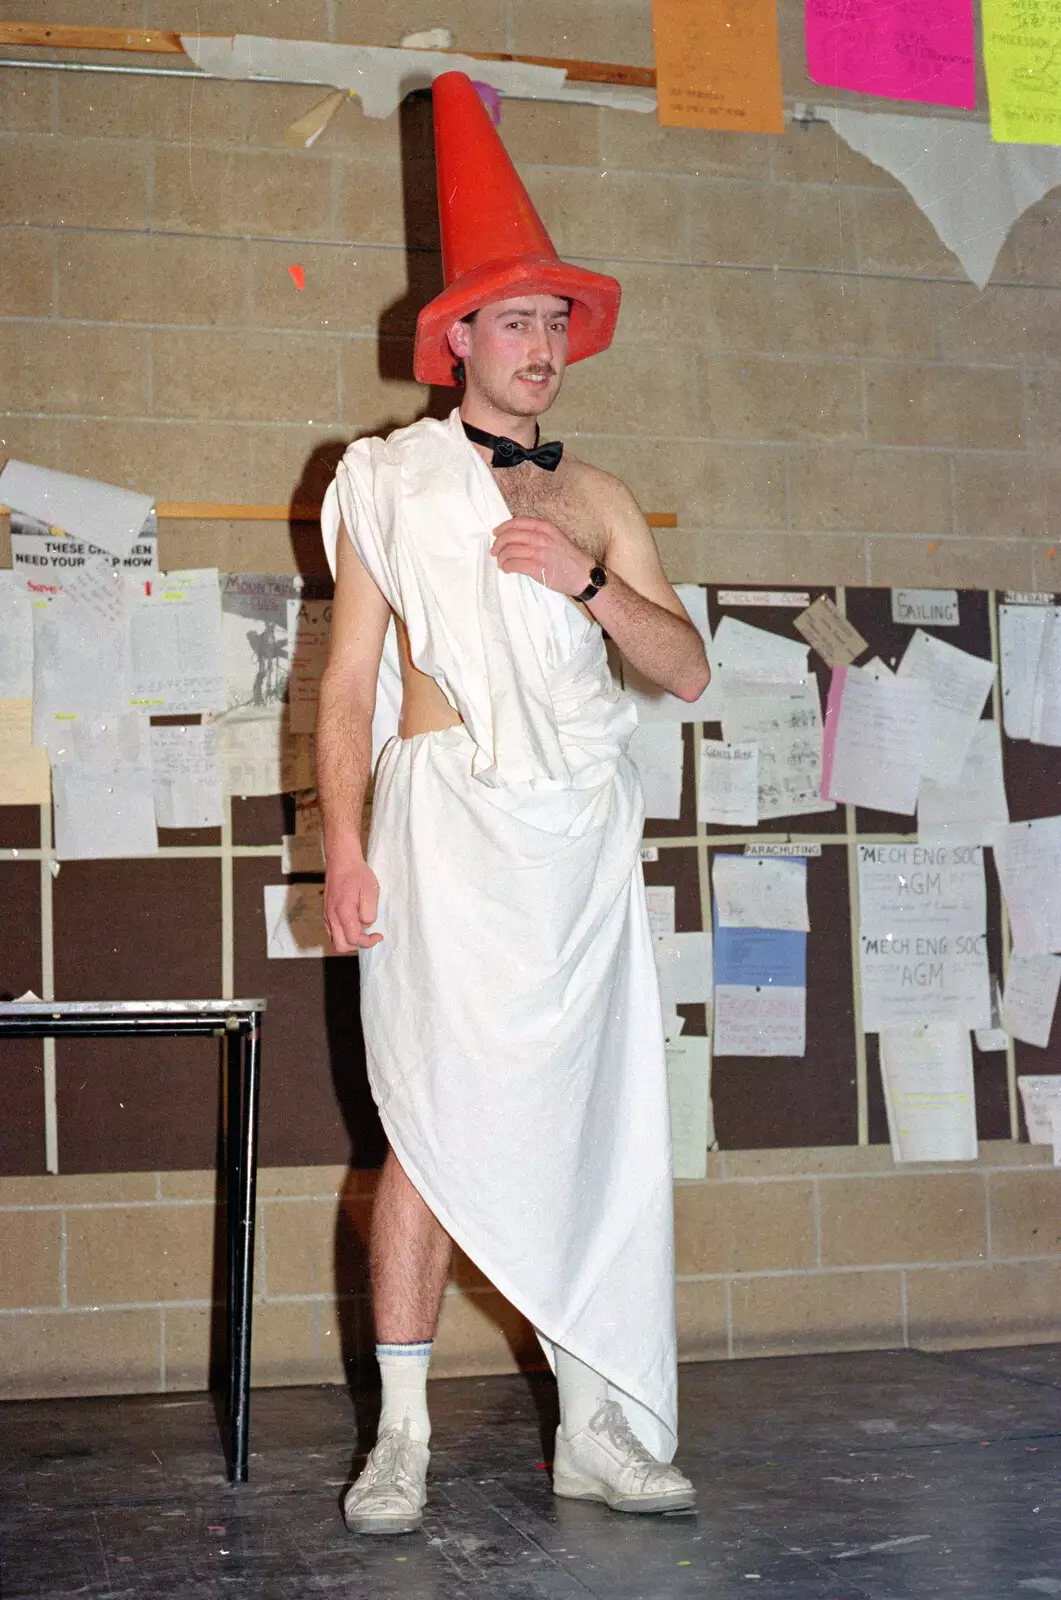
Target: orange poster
{"x":717,"y":64}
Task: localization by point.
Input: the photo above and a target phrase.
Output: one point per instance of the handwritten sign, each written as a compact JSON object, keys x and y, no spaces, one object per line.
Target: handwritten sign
{"x":717,"y":65}
{"x":1022,"y":55}
{"x":898,"y":49}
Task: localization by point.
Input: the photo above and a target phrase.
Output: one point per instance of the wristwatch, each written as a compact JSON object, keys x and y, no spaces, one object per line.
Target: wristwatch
{"x":598,"y":577}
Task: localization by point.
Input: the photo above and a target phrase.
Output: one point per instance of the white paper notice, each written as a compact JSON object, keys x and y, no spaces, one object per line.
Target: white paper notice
{"x":935,"y":608}
{"x":301,"y":852}
{"x":1020,"y":639}
{"x":683,"y":961}
{"x":878,"y":740}
{"x":729,"y":783}
{"x":908,"y":979}
{"x":958,"y":684}
{"x":1040,"y":1094}
{"x":653,"y":703}
{"x":294,"y":922}
{"x":760,"y":892}
{"x":1046,"y":696}
{"x":744,"y":651}
{"x":656,"y":750}
{"x":186,"y":763}
{"x":1030,"y":998}
{"x":176,"y":644}
{"x":103,"y":793}
{"x":921,"y":888}
{"x":784,"y":722}
{"x":970,"y":811}
{"x":16,"y":639}
{"x":928,"y":1092}
{"x":689,"y":1086}
{"x":309,"y":627}
{"x":42,"y":558}
{"x":660,"y":900}
{"x":80,"y":655}
{"x":97,"y":512}
{"x":995,"y":1037}
{"x":767,"y":1020}
{"x":1028,"y":859}
{"x":260,"y":756}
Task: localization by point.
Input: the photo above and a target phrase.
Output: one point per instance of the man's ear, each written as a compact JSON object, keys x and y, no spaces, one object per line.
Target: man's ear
{"x":459,"y":335}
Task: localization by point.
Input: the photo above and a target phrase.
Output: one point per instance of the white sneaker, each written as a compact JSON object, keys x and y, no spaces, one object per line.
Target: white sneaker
{"x":390,"y":1494}
{"x":606,"y":1461}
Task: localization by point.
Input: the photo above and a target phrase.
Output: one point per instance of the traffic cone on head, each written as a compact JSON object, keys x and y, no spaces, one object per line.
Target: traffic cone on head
{"x":494,"y":244}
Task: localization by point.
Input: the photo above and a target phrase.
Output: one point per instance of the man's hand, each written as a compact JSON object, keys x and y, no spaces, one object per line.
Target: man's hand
{"x":351,"y":898}
{"x":539,"y":550}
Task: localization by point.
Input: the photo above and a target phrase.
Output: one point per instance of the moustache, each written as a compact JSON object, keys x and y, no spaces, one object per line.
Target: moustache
{"x":537,"y":372}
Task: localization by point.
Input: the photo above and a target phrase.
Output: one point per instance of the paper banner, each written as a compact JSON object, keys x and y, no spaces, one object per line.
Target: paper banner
{"x":971,"y":190}
{"x":1022,"y":55}
{"x":381,"y":78}
{"x":717,"y":65}
{"x":98,"y":513}
{"x":895,"y":49}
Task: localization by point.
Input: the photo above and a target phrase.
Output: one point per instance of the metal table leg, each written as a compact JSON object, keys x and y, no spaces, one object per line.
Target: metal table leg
{"x":249,"y":1081}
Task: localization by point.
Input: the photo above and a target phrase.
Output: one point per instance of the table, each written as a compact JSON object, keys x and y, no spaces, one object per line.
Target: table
{"x":233,"y":1022}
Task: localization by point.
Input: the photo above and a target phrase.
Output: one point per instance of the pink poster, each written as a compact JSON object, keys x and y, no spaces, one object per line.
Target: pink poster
{"x":896,"y":49}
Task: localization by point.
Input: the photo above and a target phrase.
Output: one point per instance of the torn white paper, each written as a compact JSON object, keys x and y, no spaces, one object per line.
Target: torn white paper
{"x":994,"y":1038}
{"x":1040,"y":1093}
{"x":764,"y":1020}
{"x":928,"y":1092}
{"x":97,"y":512}
{"x":42,"y":557}
{"x":1030,"y":998}
{"x":382,"y":77}
{"x":16,"y":639}
{"x":655,"y":704}
{"x":689,"y":1088}
{"x":958,"y":687}
{"x":659,"y":898}
{"x":1046,"y":695}
{"x":921,"y":889}
{"x":969,"y":811}
{"x":1020,"y":639}
{"x":186,"y":768}
{"x":301,"y":852}
{"x":729,"y":783}
{"x":760,"y":892}
{"x":878,"y":740}
{"x":657,"y":752}
{"x":175,"y":631}
{"x":684,"y":964}
{"x":294,"y":922}
{"x":970,"y":189}
{"x":784,"y":722}
{"x":103,"y":794}
{"x":1028,"y":859}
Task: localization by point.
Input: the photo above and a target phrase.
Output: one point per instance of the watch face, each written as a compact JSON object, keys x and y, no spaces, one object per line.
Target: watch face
{"x":598,"y":576}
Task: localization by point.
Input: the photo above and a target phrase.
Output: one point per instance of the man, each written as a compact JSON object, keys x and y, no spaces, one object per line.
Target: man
{"x":509,"y":1000}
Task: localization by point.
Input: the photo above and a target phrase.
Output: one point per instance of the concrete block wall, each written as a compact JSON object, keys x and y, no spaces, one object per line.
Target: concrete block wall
{"x":107,"y":1279}
{"x":801,"y":373}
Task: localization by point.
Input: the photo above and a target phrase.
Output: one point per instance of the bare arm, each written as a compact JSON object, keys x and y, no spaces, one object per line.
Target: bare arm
{"x":638,"y":606}
{"x":344,"y":748}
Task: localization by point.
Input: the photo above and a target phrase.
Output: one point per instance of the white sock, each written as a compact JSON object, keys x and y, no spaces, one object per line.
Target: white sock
{"x":582,"y":1392}
{"x":403,"y":1369}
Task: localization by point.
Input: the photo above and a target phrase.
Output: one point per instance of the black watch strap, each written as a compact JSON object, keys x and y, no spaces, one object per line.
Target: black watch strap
{"x":598,"y":577}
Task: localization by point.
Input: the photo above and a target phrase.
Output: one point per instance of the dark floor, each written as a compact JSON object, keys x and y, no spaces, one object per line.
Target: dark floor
{"x":821,"y":1478}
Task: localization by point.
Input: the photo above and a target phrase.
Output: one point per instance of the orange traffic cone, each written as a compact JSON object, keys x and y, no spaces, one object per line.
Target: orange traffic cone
{"x":494,"y":244}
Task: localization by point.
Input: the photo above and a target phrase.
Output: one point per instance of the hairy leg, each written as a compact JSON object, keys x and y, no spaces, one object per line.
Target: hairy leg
{"x":411,"y":1254}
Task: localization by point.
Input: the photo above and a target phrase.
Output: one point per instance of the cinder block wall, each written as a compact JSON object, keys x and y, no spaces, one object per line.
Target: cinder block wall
{"x":106,"y":1283}
{"x":801,"y":373}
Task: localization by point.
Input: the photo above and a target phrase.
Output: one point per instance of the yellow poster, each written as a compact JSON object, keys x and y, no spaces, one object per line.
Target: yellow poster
{"x":717,"y":65}
{"x":1022,"y":55}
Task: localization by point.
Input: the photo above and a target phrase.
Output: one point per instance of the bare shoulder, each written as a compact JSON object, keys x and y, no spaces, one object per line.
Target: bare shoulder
{"x":608,"y":494}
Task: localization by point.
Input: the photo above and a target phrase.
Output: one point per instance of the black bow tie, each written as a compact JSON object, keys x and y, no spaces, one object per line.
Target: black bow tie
{"x":507,"y":453}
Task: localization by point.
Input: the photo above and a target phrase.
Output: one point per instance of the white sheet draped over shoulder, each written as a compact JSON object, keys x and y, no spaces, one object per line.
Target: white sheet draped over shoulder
{"x":511,"y":1014}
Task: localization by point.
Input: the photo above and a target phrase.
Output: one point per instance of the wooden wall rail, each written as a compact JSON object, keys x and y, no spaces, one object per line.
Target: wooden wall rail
{"x":209,"y":510}
{"x":161,"y":41}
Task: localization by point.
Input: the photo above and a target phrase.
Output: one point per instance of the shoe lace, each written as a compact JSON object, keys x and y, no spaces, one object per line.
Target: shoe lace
{"x":610,"y":1419}
{"x":391,"y":1457}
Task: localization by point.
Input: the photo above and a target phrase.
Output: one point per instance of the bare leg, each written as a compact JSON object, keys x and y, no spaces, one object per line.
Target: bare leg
{"x":411,"y":1254}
